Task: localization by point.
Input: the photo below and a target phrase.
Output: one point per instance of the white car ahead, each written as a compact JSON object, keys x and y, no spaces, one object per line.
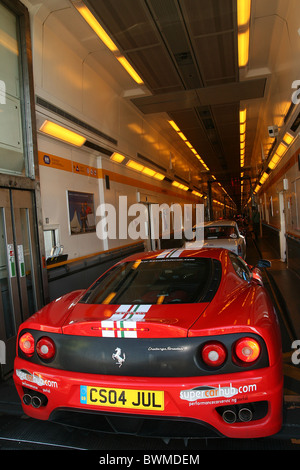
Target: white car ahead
{"x":223,"y":234}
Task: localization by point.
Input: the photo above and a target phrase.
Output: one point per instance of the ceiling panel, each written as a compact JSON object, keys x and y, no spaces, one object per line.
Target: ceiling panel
{"x":127,"y":21}
{"x":149,"y":65}
{"x":208,"y":17}
{"x":216,"y":59}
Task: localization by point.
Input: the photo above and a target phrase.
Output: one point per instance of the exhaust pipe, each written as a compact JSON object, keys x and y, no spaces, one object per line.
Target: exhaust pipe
{"x":36,"y":402}
{"x":27,"y":399}
{"x":229,"y":416}
{"x":245,"y":414}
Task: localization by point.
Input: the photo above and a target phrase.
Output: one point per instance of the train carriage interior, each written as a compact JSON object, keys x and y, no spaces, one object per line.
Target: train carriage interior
{"x":118,"y":121}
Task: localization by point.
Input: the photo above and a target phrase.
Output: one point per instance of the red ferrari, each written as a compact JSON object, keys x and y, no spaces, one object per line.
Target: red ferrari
{"x":175,"y":343}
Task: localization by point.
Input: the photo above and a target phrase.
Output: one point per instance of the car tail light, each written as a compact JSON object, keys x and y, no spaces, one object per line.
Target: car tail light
{"x":214,"y":354}
{"x":247,"y":350}
{"x":45,"y":348}
{"x":26,"y":343}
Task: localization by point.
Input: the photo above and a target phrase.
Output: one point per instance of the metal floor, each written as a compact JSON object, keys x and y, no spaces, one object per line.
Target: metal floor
{"x":18,"y":432}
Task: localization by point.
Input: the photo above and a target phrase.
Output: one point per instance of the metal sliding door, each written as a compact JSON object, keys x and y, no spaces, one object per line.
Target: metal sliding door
{"x":20,"y":282}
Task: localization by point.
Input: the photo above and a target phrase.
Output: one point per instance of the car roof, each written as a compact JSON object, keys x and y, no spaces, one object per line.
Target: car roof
{"x":214,"y":253}
{"x":218,"y":223}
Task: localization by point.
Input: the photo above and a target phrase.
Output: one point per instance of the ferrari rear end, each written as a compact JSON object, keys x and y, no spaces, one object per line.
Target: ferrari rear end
{"x":207,"y":366}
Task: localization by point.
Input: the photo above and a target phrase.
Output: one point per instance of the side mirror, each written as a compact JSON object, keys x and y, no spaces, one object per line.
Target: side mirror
{"x":263,"y":263}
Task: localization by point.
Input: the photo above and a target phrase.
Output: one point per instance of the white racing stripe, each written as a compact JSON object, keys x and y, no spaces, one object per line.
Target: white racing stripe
{"x":123,"y":323}
{"x":172,"y":253}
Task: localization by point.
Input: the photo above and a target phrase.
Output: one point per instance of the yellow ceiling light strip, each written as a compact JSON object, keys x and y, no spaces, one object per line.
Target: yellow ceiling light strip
{"x":183,"y":137}
{"x":263,"y":178}
{"x":243,"y":45}
{"x":288,"y":138}
{"x":180,"y":185}
{"x":189,"y":145}
{"x":243,"y":19}
{"x":274,"y":161}
{"x":129,"y":69}
{"x":243,"y":115}
{"x":135,"y":165}
{"x":148,"y":171}
{"x":62,"y":133}
{"x":159,"y":176}
{"x":144,"y":169}
{"x":196,"y":193}
{"x":174,"y":125}
{"x":117,"y":157}
{"x":281,"y":149}
{"x":93,"y":23}
{"x":105,"y":38}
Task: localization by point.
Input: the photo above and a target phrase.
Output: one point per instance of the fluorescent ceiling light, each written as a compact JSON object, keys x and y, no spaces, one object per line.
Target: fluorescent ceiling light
{"x":180,"y":185}
{"x":288,"y":138}
{"x":196,"y":193}
{"x":117,"y":157}
{"x":159,"y":176}
{"x":105,"y":38}
{"x":182,"y":136}
{"x":94,"y":24}
{"x":243,"y":46}
{"x":129,"y":69}
{"x":174,"y":125}
{"x":144,"y":169}
{"x":135,"y":165}
{"x":243,"y":113}
{"x":281,"y":149}
{"x":243,"y":19}
{"x":263,"y":178}
{"x":148,"y":171}
{"x":274,"y":161}
{"x":243,"y":12}
{"x":256,"y":189}
{"x":62,"y":133}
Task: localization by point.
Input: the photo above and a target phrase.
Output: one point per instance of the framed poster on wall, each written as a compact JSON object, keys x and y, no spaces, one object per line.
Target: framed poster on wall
{"x":81,"y":212}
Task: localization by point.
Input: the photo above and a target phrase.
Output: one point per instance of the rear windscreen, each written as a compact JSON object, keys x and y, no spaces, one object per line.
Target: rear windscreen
{"x":157,"y":281}
{"x":224,"y":231}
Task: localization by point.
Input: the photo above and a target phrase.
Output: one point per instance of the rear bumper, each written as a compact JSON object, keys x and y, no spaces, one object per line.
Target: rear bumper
{"x":192,"y":406}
